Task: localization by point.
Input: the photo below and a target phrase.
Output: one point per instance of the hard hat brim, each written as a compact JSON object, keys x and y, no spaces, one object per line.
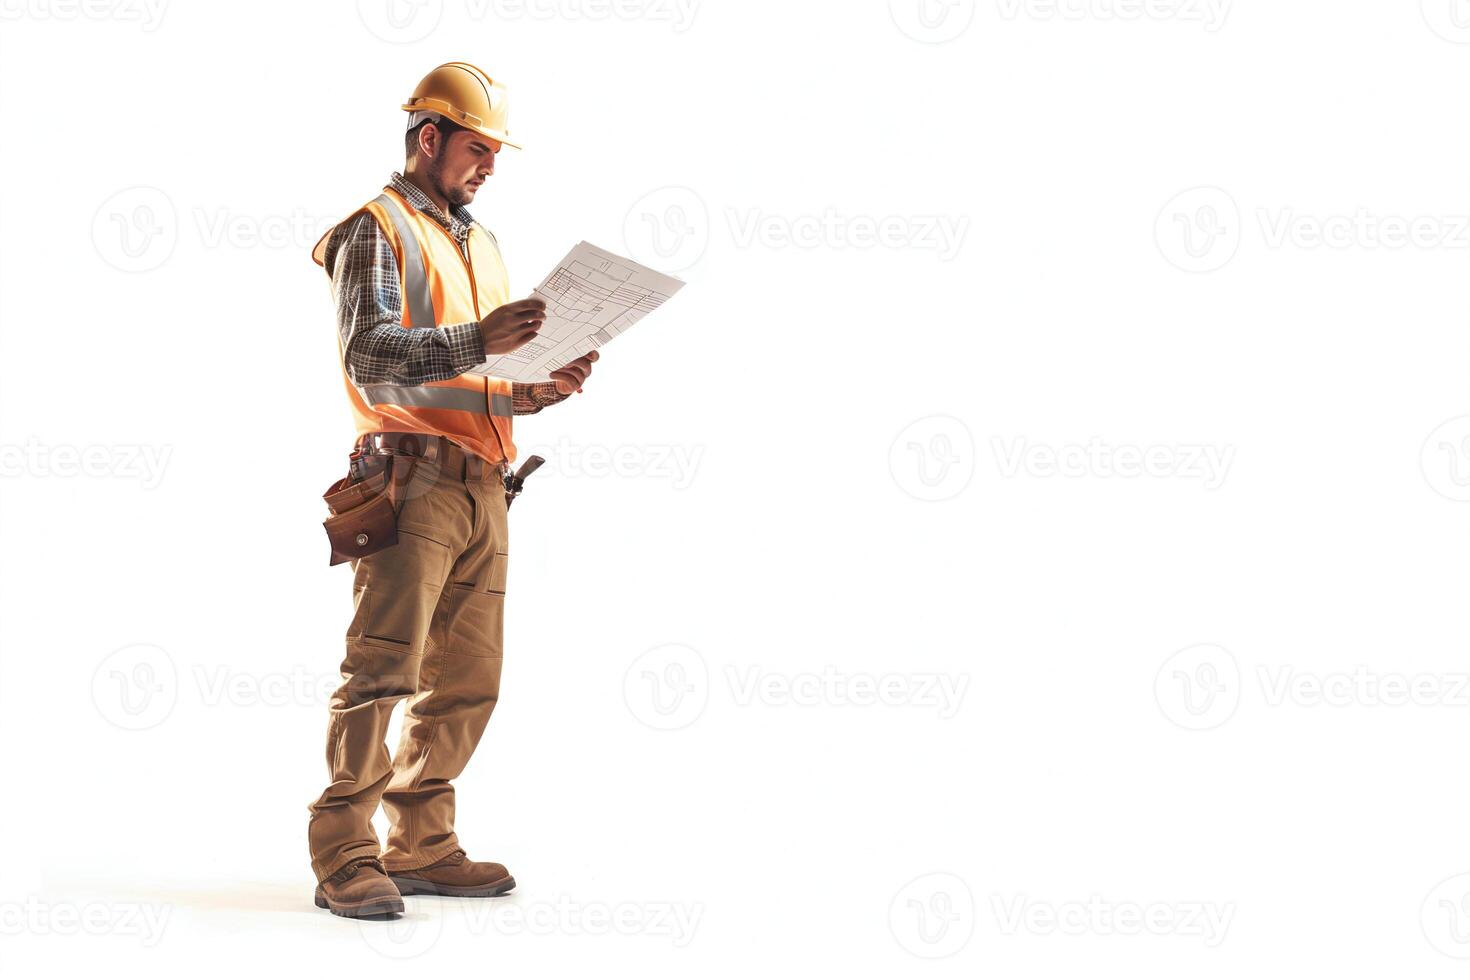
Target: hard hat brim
{"x":467,"y":120}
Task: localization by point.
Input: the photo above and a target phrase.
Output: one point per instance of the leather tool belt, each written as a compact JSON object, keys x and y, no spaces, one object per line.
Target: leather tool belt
{"x":365,"y":504}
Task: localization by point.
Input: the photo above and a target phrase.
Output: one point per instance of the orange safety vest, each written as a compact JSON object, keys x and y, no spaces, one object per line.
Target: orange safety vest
{"x":439,"y":286}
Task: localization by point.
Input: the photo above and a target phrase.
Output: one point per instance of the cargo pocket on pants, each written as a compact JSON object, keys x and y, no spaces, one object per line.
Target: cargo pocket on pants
{"x":499,"y":563}
{"x":476,"y":622}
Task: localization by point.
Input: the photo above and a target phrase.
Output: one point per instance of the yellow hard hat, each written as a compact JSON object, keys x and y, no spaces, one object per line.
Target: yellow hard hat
{"x":463,"y":94}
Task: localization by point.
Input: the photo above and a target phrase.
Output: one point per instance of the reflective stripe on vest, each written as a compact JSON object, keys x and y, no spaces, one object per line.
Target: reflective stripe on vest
{"x":421,"y":312}
{"x":415,"y":280}
{"x":428,"y":396}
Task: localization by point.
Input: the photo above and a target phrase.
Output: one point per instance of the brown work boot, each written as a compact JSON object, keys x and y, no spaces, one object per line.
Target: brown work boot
{"x":455,"y":875}
{"x":358,"y":889}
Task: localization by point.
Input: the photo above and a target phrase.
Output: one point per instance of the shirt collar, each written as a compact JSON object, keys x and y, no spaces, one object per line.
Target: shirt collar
{"x":457,"y":222}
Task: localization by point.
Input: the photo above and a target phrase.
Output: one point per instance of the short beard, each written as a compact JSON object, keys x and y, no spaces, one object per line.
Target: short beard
{"x":457,"y":196}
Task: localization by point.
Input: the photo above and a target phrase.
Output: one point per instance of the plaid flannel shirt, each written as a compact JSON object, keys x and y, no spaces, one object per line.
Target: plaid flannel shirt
{"x":378,"y":348}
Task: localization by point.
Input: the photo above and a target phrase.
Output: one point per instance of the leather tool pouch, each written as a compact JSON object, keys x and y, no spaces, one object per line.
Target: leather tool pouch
{"x":365,"y":510}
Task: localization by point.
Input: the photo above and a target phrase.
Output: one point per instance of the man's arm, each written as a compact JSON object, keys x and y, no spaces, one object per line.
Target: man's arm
{"x":379,"y":349}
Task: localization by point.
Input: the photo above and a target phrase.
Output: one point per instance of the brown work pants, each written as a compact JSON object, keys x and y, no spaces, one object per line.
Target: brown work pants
{"x":428,"y":625}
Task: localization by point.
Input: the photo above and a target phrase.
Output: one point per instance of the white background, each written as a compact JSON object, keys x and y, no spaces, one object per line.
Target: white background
{"x":1207,"y":714}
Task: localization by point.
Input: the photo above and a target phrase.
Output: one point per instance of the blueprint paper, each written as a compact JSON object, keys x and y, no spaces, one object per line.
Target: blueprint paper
{"x":591,"y":296}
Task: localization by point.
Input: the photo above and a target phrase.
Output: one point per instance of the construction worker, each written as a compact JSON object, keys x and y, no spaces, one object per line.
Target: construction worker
{"x":422,"y":297}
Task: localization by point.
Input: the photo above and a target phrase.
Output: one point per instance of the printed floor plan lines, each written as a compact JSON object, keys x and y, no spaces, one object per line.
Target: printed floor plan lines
{"x":591,"y":296}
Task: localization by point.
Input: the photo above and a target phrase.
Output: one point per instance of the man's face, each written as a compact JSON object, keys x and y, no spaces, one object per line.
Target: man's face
{"x":461,"y":164}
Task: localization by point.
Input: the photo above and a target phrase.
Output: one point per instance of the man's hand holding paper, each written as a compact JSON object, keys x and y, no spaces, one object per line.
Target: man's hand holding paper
{"x":589,"y":298}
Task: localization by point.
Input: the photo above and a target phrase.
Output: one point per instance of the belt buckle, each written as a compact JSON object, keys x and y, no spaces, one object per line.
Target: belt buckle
{"x":360,"y":465}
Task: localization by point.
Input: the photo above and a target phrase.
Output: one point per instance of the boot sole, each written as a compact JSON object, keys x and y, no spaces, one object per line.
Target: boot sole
{"x":360,"y":910}
{"x":417,"y":886}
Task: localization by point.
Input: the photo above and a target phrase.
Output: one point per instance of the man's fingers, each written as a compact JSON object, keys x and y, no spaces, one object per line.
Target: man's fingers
{"x":522,"y":306}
